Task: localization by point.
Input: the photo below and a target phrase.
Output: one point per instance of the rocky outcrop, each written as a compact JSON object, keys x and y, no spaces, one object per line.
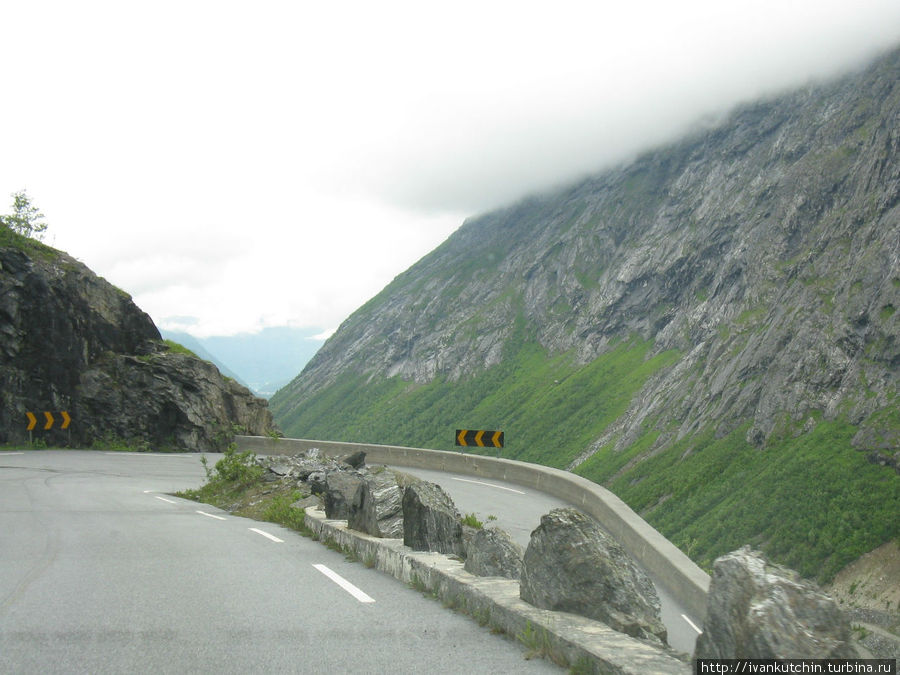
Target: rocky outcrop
{"x":70,"y":341}
{"x":368,"y":498}
{"x":340,"y":491}
{"x":491,"y":552}
{"x":165,"y":399}
{"x":377,"y":506}
{"x":431,"y":521}
{"x":759,"y":610}
{"x":572,"y":565}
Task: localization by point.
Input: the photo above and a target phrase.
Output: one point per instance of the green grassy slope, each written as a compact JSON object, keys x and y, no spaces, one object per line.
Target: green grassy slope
{"x":550,"y":408}
{"x":821,"y":503}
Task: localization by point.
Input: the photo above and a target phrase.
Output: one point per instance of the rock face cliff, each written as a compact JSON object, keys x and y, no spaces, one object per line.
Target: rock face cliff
{"x":709,"y":330}
{"x":70,"y":341}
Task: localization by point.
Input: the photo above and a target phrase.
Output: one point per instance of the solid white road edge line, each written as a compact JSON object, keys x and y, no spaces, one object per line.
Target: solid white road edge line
{"x":163,"y":499}
{"x":211,"y":515}
{"x":267,"y":535}
{"x":5,"y":454}
{"x":692,"y":624}
{"x":478,"y":482}
{"x":343,"y":583}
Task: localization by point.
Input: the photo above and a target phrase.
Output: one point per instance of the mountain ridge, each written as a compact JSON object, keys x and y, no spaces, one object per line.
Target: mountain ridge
{"x":721,"y":298}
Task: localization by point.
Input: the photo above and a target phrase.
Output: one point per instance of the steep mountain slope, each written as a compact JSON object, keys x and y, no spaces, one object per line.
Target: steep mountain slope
{"x":70,"y":341}
{"x":709,"y":330}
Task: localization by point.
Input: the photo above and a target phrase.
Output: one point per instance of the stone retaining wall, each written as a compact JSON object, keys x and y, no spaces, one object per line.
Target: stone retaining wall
{"x":570,"y":640}
{"x":660,"y":557}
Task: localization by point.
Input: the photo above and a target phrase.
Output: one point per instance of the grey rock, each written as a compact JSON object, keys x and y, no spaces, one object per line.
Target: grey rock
{"x":430,"y":520}
{"x":340,"y":488}
{"x":492,"y":553}
{"x":356,"y":460}
{"x":304,"y":471}
{"x":759,"y":610}
{"x":307,"y":502}
{"x":283,"y":469}
{"x":468,"y":534}
{"x":377,"y":506}
{"x":572,"y":565}
{"x":316,"y":482}
{"x":299,"y":466}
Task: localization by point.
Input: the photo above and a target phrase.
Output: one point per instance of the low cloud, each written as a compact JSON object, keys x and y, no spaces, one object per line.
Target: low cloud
{"x":280,"y":164}
{"x":650,"y":73}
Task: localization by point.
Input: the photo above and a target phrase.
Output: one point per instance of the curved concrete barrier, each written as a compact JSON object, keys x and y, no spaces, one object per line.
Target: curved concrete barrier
{"x":678,"y":573}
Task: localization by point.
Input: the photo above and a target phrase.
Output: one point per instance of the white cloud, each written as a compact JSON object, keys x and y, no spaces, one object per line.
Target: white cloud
{"x":256,"y":164}
{"x":324,"y":335}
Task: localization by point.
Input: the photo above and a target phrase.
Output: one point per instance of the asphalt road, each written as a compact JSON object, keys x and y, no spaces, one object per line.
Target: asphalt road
{"x":101,"y":571}
{"x":518,"y":510}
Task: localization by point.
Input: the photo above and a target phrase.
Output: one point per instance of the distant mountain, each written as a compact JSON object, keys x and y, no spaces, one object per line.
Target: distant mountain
{"x":263,"y":361}
{"x":710,"y":331}
{"x":192,"y":343}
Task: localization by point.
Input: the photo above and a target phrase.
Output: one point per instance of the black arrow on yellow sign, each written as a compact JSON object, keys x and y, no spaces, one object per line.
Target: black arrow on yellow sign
{"x":479,"y":438}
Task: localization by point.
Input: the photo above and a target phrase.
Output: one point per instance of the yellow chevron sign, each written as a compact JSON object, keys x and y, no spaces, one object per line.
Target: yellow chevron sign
{"x":479,"y":438}
{"x":49,"y":420}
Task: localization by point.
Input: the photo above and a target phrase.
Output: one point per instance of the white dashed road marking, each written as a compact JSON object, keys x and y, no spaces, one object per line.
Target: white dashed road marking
{"x":343,"y":583}
{"x":211,"y":515}
{"x":692,"y":624}
{"x":267,"y":535}
{"x":164,"y":499}
{"x":478,"y":482}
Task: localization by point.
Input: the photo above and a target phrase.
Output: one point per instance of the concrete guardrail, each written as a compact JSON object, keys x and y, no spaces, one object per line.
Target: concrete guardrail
{"x":661,"y":558}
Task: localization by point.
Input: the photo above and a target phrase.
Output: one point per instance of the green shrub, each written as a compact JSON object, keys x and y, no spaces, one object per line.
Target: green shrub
{"x":237,"y":468}
{"x":279,"y":510}
{"x":471,"y":520}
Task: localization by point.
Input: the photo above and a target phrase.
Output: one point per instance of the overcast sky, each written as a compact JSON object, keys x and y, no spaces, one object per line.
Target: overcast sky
{"x":236,"y":165}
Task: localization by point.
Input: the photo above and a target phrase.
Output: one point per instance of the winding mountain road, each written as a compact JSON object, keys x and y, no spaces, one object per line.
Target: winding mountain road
{"x":102,"y":571}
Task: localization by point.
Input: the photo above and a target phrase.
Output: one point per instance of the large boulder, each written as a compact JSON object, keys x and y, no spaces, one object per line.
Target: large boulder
{"x":355,"y":460}
{"x":316,"y":482}
{"x":340,"y":489}
{"x":492,"y":553}
{"x":430,"y":520}
{"x":572,"y":565}
{"x":377,"y":506}
{"x":759,"y":610}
